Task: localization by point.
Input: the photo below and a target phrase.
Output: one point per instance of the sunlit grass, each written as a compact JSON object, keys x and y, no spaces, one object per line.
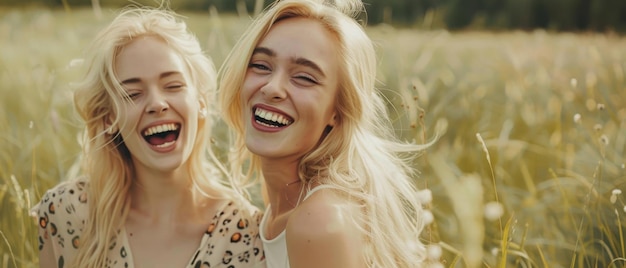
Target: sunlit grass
{"x":536,"y":122}
{"x":519,"y":94}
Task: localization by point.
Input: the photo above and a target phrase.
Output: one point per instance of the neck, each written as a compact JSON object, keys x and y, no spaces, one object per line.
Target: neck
{"x":159,"y":196}
{"x":284,"y":187}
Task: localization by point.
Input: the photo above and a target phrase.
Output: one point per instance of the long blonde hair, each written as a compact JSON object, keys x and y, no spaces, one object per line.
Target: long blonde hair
{"x":360,"y":155}
{"x":98,"y":100}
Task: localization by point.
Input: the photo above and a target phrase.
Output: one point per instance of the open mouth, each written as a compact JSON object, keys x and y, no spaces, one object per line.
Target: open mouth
{"x":271,"y":119}
{"x":162,"y":135}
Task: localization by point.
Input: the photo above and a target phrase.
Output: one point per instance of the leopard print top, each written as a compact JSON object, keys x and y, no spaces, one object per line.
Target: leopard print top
{"x":231,"y":240}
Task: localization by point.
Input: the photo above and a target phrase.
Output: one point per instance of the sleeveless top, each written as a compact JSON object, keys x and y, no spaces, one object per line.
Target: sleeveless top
{"x":276,"y":255}
{"x":230,"y":240}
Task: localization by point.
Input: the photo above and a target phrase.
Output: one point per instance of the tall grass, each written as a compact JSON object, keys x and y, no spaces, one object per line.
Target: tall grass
{"x":532,"y":123}
{"x":549,"y":111}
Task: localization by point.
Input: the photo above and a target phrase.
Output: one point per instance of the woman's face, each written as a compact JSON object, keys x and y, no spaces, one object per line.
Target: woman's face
{"x":159,"y":123}
{"x":290,"y":89}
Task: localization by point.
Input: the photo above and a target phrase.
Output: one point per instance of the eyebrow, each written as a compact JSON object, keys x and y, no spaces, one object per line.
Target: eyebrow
{"x":264,"y":50}
{"x":138,"y":80}
{"x":298,"y":61}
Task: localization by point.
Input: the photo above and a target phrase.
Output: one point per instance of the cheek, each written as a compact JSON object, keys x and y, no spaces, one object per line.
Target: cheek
{"x":189,"y":104}
{"x":249,"y":86}
{"x":129,"y":117}
{"x":246,"y":91}
{"x":194,"y":108}
{"x":326,"y":108}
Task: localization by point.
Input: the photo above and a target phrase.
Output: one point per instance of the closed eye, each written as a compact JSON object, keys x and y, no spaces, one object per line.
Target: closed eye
{"x":259,"y":67}
{"x":175,"y":86}
{"x":132,"y":95}
{"x":305,"y":80}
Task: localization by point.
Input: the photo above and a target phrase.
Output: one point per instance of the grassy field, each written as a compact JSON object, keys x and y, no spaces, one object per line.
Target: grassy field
{"x":528,"y":170}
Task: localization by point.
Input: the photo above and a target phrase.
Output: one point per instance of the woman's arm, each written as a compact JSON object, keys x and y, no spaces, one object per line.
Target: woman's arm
{"x":46,"y":254}
{"x":60,"y":208}
{"x":46,"y":250}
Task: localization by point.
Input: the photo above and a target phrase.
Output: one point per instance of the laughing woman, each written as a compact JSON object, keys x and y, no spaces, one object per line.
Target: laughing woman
{"x":152,"y":194}
{"x":298,"y":91}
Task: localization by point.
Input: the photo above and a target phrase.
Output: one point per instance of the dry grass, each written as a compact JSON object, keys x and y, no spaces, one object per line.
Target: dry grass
{"x":534,"y":122}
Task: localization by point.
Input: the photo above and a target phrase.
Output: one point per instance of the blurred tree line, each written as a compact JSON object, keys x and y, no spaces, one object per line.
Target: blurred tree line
{"x":558,"y":15}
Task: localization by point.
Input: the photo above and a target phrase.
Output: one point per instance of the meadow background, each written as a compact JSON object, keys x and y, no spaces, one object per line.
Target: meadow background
{"x":528,"y":170}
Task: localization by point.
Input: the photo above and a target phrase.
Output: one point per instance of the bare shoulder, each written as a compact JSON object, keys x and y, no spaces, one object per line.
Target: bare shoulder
{"x":324,"y":212}
{"x":322,"y":232}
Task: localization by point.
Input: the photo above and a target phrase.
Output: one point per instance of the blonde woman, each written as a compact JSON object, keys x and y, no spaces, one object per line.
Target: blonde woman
{"x":152,"y":194}
{"x":298,"y":91}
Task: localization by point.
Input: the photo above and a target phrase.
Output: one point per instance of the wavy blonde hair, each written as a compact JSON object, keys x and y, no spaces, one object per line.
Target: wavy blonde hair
{"x":360,"y":155}
{"x":99,"y":101}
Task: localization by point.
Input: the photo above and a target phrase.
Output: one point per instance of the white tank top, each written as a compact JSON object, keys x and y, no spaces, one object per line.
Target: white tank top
{"x":276,"y":255}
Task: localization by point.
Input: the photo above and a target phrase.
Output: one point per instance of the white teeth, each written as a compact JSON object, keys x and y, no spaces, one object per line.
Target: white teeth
{"x":267,"y":125}
{"x":160,"y":129}
{"x":165,"y":144}
{"x":270,"y":116}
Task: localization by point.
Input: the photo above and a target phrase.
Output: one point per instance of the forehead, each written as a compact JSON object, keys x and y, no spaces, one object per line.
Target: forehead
{"x":147,"y":57}
{"x":303,"y":37}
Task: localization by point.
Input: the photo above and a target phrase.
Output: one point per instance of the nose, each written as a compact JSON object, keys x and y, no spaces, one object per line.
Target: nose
{"x":157,"y":103}
{"x":274,"y":89}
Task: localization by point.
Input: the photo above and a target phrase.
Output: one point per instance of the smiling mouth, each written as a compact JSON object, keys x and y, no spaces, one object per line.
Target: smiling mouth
{"x":162,"y":135}
{"x":271,"y":119}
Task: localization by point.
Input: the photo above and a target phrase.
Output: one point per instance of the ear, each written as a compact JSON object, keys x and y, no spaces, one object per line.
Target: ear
{"x":110,"y":128}
{"x":333,"y":120}
{"x":202,"y":110}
